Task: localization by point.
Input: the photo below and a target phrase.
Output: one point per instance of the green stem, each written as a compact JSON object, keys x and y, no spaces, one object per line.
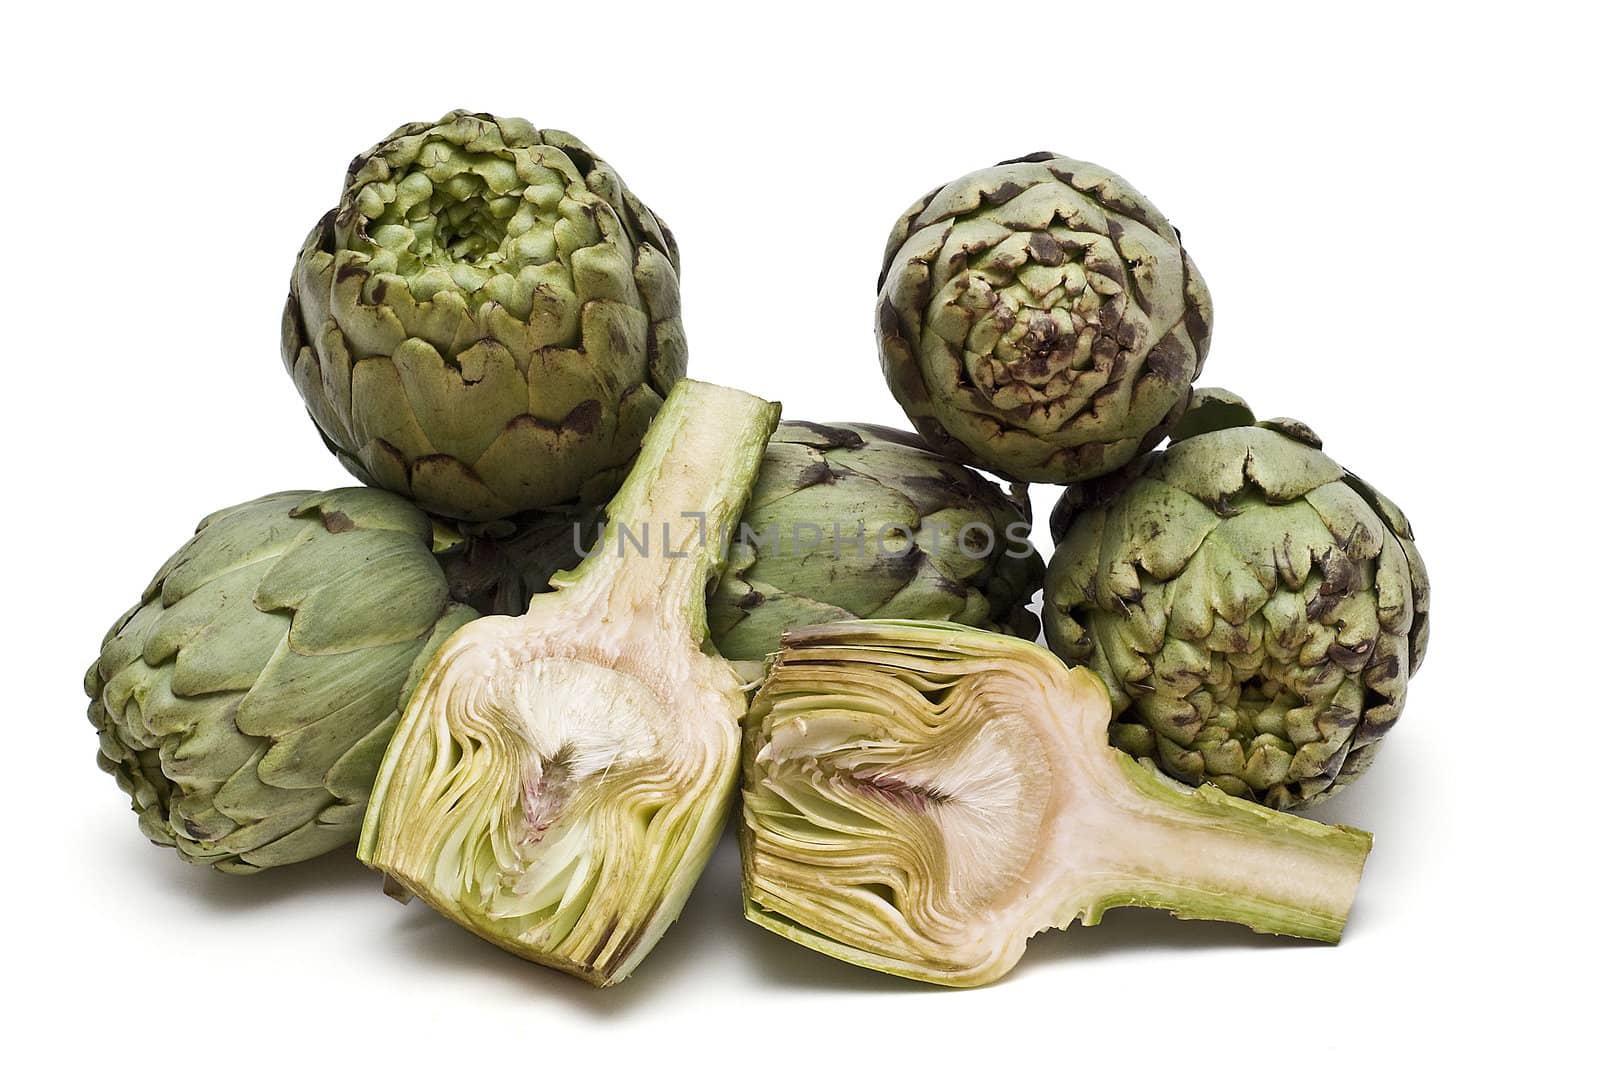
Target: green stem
{"x":1207,"y":855}
{"x":666,"y":528}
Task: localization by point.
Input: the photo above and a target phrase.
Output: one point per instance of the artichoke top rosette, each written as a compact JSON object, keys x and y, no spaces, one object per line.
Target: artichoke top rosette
{"x":488,"y":320}
{"x":1040,"y":319}
{"x":1256,"y":610}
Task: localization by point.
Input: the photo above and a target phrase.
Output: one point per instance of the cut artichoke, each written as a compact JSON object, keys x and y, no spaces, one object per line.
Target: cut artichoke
{"x":920,"y":798}
{"x":559,"y":779}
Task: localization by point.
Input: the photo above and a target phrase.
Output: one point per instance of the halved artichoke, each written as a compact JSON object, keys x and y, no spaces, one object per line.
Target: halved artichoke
{"x":560,"y":778}
{"x":920,"y":798}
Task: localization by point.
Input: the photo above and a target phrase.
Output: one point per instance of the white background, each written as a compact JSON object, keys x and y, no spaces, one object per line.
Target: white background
{"x":1394,"y":210}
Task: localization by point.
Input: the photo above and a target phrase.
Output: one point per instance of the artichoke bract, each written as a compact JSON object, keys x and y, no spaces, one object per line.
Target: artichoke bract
{"x":921,"y":798}
{"x":1256,"y":610}
{"x":488,"y":320}
{"x":559,"y":779}
{"x":1040,"y":319}
{"x":245,"y":703}
{"x":853,"y":521}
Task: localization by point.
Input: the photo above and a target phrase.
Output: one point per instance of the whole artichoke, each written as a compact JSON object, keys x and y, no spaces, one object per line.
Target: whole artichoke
{"x":936,"y":541}
{"x":1040,"y":319}
{"x":488,"y":321}
{"x":246,"y":701}
{"x":919,"y":536}
{"x":1255,"y":610}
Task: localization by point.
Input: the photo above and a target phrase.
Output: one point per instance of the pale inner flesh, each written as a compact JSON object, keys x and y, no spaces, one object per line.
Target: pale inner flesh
{"x":918,"y":831}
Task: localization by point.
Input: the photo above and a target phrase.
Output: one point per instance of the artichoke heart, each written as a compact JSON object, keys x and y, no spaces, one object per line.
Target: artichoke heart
{"x":559,"y":779}
{"x":920,"y":798}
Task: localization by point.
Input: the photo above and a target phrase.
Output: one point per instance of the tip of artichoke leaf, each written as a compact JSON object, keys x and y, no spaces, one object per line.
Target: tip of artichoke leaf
{"x":1212,"y":409}
{"x":1037,"y":157}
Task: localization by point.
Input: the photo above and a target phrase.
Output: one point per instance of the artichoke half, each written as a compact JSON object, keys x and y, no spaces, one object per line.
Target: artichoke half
{"x":559,"y":779}
{"x":1040,"y":319}
{"x":488,"y":320}
{"x":244,"y":704}
{"x":1256,"y":610}
{"x":920,"y":798}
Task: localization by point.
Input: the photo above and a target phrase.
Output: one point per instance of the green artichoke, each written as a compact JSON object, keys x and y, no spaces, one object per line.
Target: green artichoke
{"x":1040,"y":319}
{"x":246,"y":701}
{"x":918,"y":536}
{"x":1255,"y":610}
{"x":934,"y":541}
{"x":488,"y":321}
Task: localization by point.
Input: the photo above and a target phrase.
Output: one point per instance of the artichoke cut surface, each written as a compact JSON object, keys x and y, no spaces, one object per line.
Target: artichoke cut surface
{"x":920,"y":798}
{"x":560,"y":778}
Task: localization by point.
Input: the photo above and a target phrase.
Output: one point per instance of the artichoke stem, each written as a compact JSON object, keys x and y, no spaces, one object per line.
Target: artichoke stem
{"x":667,"y":533}
{"x":1202,"y":854}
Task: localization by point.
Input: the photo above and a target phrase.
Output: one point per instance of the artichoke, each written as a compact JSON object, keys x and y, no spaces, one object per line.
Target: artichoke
{"x":559,"y":779}
{"x":488,"y":321}
{"x":855,"y":521}
{"x":1040,"y":319}
{"x":1256,"y":610}
{"x":921,"y":798}
{"x":846,"y":521}
{"x":245,"y":702}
